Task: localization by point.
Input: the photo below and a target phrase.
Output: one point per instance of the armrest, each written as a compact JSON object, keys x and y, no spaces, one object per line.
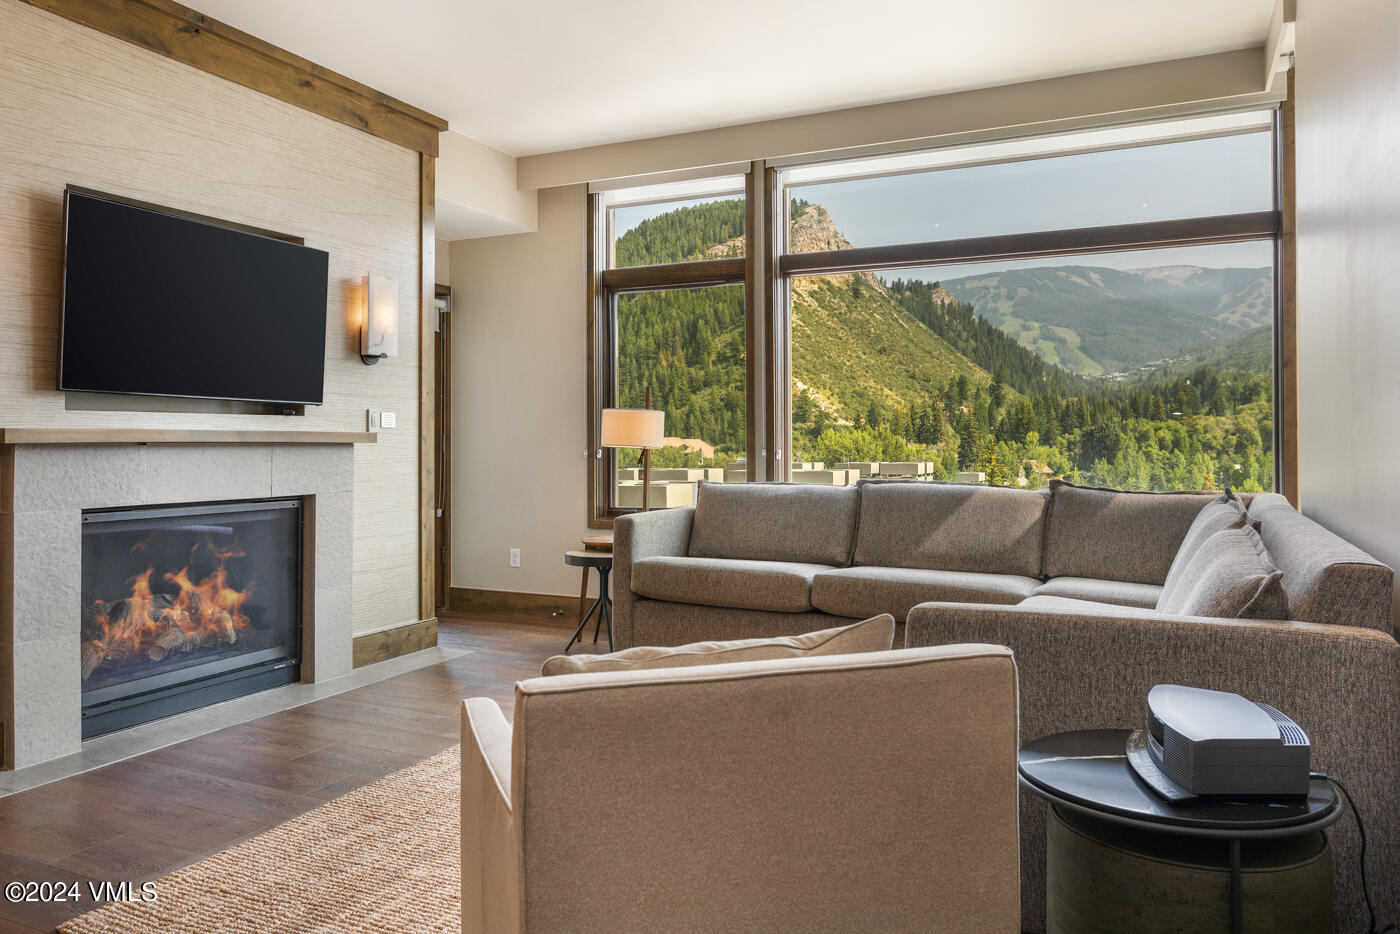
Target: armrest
{"x":663,"y":533}
{"x":490,"y":852}
{"x":1088,"y":665}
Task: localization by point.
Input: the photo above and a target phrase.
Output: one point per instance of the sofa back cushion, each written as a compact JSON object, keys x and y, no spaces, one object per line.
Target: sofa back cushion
{"x":799,"y":522}
{"x":950,"y":527}
{"x":1116,"y":535}
{"x":1230,"y":575}
{"x":872,"y":635}
{"x":1227,"y":512}
{"x":1327,"y":579}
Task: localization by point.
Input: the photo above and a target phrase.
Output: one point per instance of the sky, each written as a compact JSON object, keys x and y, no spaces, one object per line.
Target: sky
{"x":1194,"y":178}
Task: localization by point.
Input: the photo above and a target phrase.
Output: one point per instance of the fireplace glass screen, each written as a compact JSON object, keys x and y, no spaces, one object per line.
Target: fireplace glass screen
{"x":187,"y":606}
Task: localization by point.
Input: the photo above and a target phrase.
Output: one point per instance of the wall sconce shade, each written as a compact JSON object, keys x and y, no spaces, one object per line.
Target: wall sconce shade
{"x":632,"y":428}
{"x":379,"y":333}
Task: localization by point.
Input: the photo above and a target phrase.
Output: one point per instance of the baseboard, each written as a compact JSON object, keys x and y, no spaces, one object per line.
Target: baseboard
{"x":390,"y":643}
{"x":510,"y":604}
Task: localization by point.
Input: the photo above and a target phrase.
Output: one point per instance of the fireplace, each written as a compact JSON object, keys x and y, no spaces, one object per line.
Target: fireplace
{"x":186,"y":606}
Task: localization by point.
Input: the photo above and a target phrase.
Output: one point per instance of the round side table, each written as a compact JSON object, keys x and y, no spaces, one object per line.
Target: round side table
{"x":602,"y":560}
{"x":1118,"y":857}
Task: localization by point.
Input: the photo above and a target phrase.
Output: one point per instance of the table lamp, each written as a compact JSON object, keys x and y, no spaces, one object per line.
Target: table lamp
{"x":634,"y":428}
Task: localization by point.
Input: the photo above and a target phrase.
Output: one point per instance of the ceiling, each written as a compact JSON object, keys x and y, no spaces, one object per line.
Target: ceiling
{"x":532,"y":76}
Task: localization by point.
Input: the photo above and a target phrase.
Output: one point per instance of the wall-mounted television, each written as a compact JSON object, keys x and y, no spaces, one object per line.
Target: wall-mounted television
{"x":157,"y":302}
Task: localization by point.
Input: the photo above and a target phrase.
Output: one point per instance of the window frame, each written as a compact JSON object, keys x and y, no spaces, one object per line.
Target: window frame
{"x":766,"y":271}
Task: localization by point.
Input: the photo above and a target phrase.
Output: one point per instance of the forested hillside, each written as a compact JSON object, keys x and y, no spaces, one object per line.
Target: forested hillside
{"x":913,"y":370}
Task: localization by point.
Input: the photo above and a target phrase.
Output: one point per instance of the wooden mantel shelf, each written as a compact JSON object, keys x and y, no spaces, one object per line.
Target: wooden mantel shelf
{"x":179,"y":436}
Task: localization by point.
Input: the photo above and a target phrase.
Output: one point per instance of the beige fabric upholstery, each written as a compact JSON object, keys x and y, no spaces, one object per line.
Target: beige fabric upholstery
{"x":951,"y":527}
{"x":798,"y":522}
{"x":872,"y":792}
{"x":1088,"y":666}
{"x":1101,"y":591}
{"x":1223,"y":514}
{"x":858,"y":592}
{"x":780,"y":586}
{"x":871,"y":635}
{"x":661,"y":622}
{"x":1230,"y":576}
{"x":1116,"y":535}
{"x":645,"y":535}
{"x":1327,"y":579}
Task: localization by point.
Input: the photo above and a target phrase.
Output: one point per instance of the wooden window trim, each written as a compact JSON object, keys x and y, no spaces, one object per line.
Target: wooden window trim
{"x":1226,"y":228}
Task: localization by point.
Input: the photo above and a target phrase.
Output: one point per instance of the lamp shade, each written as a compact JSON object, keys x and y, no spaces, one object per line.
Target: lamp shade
{"x":379,"y":336}
{"x":632,"y":428}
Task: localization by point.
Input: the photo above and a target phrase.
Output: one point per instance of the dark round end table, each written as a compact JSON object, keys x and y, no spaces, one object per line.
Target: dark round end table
{"x":602,"y":560}
{"x":1118,"y":854}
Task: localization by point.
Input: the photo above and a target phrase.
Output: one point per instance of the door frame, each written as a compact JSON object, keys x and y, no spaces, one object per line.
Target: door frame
{"x":442,"y":445}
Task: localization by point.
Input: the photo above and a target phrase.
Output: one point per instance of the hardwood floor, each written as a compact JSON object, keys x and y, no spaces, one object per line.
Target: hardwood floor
{"x":141,"y":818}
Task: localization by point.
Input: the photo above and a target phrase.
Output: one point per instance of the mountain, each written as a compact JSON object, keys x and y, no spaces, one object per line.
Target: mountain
{"x":1098,"y":321}
{"x":853,"y":344}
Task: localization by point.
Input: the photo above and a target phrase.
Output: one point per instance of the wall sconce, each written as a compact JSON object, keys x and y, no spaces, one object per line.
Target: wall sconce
{"x":379,"y":333}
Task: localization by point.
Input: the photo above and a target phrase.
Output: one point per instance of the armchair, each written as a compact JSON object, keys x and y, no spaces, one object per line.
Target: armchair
{"x":835,"y":793}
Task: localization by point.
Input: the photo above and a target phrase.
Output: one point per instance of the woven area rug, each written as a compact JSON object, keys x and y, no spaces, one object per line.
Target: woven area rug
{"x":382,"y":859}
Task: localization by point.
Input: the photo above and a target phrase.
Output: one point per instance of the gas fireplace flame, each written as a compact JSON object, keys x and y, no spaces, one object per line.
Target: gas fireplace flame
{"x":153,"y":625}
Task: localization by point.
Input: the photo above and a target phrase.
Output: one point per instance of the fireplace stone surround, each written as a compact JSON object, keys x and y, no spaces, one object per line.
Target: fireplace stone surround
{"x":44,"y":489}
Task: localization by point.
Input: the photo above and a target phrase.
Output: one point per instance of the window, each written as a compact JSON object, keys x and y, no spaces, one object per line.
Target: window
{"x":1133,"y":368}
{"x":1098,"y":306}
{"x":669,"y":326}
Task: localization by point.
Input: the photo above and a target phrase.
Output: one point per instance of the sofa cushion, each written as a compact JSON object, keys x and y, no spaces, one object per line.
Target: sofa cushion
{"x":1230,"y":576}
{"x":799,"y":522}
{"x":1327,"y":579}
{"x":1120,"y":593}
{"x":1227,"y":512}
{"x":872,"y":635}
{"x":1116,"y":534}
{"x":864,"y":591}
{"x":950,"y":527}
{"x":782,"y":586}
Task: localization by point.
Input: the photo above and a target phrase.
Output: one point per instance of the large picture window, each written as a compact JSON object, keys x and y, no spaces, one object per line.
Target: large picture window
{"x":1098,"y":306}
{"x":1143,"y":362}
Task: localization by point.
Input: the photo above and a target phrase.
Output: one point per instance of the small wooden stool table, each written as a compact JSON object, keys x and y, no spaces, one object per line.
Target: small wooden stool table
{"x":602,"y":560}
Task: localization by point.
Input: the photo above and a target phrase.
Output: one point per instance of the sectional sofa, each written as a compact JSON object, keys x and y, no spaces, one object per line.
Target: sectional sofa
{"x":1070,"y":579}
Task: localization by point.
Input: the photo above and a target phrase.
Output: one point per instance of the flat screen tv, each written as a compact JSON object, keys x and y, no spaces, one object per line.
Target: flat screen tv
{"x":159,"y":303}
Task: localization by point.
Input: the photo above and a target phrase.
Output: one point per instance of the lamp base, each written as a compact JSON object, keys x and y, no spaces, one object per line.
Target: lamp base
{"x":372,"y":359}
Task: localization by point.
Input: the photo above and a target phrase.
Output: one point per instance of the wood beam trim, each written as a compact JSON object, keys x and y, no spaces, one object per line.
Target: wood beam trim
{"x":427,"y":414}
{"x":391,"y":643}
{"x":190,"y":37}
{"x":1190,"y":231}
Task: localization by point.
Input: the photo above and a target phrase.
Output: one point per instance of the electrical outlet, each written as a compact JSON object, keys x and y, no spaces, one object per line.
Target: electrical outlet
{"x":373,"y":419}
{"x":515,"y":557}
{"x":389,"y":420}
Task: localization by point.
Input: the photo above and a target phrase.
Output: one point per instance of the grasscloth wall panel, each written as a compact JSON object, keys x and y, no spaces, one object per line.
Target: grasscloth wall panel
{"x":81,"y":107}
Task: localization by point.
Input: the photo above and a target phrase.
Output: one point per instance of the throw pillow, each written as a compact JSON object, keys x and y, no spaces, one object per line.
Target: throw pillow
{"x":1231,"y":576}
{"x":872,"y":635}
{"x":1227,"y":512}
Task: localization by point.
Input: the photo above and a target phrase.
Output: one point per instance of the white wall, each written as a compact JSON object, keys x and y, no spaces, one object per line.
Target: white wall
{"x":477,"y":194}
{"x":1347,"y":90}
{"x":519,"y":406}
{"x":442,"y":261}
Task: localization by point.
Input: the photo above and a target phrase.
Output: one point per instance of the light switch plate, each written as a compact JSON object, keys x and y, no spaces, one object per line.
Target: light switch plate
{"x":373,"y":418}
{"x":389,"y":420}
